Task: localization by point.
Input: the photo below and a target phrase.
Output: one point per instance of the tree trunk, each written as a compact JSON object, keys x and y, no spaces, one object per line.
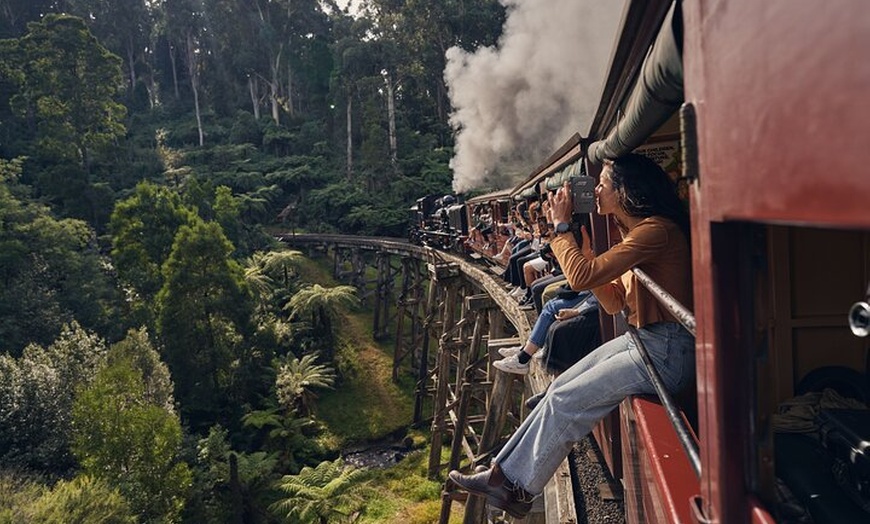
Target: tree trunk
{"x":174,"y":70}
{"x":391,"y":113}
{"x":236,"y":495}
{"x":349,"y":136}
{"x":290,"y":108}
{"x":274,"y":85}
{"x":194,"y":84}
{"x":131,"y":60}
{"x":253,"y":88}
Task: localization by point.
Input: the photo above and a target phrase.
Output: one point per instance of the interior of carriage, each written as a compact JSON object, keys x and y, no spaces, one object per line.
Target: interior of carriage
{"x":810,"y":425}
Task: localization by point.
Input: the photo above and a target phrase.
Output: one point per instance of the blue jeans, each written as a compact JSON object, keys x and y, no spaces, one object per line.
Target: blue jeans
{"x":548,"y":316}
{"x":586,"y":392}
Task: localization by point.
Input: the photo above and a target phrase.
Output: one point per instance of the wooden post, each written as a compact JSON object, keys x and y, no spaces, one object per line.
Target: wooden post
{"x":379,"y":296}
{"x":459,"y":429}
{"x":439,"y":423}
{"x":423,"y":375}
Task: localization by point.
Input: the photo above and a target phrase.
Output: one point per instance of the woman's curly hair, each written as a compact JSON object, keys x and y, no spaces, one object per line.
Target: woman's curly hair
{"x":643,"y":189}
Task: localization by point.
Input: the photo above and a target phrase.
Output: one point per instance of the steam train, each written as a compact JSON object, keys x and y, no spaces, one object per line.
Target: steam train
{"x":736,"y":96}
{"x":474,"y":227}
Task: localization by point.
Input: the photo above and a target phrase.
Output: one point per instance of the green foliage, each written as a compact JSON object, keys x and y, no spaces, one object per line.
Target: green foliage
{"x":245,"y":129}
{"x":297,"y":378}
{"x":203,"y":319}
{"x":137,"y":350}
{"x":272,"y":81}
{"x":36,"y":399}
{"x":17,"y":493}
{"x":65,"y":98}
{"x":271,"y":275}
{"x":367,"y":405}
{"x":50,"y":270}
{"x":402,"y":493}
{"x":120,"y":436}
{"x":320,"y":306}
{"x":83,"y":500}
{"x":285,"y":434}
{"x":327,"y":493}
{"x":389,"y":221}
{"x":229,"y":485}
{"x":143,"y":228}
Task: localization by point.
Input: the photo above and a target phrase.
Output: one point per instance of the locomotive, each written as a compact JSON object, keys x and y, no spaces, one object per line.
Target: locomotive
{"x":473,"y":227}
{"x":440,"y":222}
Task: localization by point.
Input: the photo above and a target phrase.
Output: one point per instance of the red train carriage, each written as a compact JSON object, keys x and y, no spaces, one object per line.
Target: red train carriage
{"x":781,"y":244}
{"x":762,"y":110}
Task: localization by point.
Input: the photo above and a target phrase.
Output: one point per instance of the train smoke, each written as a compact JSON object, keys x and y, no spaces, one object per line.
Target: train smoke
{"x":515,"y":103}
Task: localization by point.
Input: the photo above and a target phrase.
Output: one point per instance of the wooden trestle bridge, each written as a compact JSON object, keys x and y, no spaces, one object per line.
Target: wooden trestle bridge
{"x":449,"y":317}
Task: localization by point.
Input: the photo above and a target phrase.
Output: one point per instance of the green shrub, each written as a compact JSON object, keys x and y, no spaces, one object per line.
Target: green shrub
{"x":83,"y":500}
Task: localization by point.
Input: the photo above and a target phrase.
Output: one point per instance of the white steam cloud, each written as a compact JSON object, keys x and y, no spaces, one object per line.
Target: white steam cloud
{"x":516,"y":103}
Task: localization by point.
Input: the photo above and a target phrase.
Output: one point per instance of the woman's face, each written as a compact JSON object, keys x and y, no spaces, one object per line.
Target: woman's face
{"x":606,"y":201}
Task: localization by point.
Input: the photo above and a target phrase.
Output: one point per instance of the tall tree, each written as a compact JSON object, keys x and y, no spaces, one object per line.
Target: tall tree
{"x":69,"y":85}
{"x":184,"y":28}
{"x":143,"y":228}
{"x":322,"y":305}
{"x":36,"y":399}
{"x":421,"y":32}
{"x":297,"y":379}
{"x":123,"y":27}
{"x":51,"y":271}
{"x":203,"y":318}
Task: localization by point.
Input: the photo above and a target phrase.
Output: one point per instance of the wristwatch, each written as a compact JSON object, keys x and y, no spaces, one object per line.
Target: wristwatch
{"x":562,"y":227}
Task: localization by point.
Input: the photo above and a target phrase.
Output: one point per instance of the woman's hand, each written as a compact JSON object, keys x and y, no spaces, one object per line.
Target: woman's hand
{"x":562,"y":204}
{"x":565,"y":314}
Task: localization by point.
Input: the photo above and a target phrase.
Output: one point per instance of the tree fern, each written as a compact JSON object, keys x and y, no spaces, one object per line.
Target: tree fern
{"x":327,"y":493}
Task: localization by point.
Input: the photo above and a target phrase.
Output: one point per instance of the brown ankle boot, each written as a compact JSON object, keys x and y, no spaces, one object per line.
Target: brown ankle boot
{"x":499,"y":491}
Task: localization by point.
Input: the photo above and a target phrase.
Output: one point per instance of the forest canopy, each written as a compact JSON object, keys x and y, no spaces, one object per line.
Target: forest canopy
{"x":159,"y":352}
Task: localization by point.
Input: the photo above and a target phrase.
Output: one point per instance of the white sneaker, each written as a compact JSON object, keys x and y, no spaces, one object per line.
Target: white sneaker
{"x":511,"y":351}
{"x":517,"y":292}
{"x":512,"y":365}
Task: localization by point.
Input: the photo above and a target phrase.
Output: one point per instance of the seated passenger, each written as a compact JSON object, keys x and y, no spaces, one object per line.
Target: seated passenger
{"x":643,"y":201}
{"x":517,"y":358}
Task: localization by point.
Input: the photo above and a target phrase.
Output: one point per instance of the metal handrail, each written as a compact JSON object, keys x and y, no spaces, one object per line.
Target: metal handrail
{"x":687,"y":319}
{"x":680,"y":427}
{"x":679,"y":311}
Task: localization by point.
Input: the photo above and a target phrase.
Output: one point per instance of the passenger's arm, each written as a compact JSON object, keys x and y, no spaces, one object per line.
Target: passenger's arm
{"x":644,"y":241}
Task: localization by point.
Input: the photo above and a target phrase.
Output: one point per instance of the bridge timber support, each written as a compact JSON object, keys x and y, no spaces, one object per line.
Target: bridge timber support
{"x":448,"y":317}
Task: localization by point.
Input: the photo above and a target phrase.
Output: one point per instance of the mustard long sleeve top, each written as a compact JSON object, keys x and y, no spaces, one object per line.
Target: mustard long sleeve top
{"x":657,"y":246}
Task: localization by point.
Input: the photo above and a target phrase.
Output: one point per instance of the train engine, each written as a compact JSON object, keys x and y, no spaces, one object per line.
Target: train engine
{"x":440,"y":222}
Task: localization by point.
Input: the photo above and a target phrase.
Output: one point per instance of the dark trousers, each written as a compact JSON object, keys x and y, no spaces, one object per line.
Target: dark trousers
{"x":539,"y":285}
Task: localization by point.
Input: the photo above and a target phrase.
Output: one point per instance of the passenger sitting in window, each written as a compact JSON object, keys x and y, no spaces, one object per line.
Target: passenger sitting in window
{"x":643,"y":201}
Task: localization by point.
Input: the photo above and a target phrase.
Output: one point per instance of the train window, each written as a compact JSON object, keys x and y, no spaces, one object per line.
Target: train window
{"x":783,"y":294}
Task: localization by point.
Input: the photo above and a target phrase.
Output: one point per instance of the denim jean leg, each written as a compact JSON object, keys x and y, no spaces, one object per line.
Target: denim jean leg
{"x":588,"y":391}
{"x":538,"y":335}
{"x":575,"y":402}
{"x":672,"y":351}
